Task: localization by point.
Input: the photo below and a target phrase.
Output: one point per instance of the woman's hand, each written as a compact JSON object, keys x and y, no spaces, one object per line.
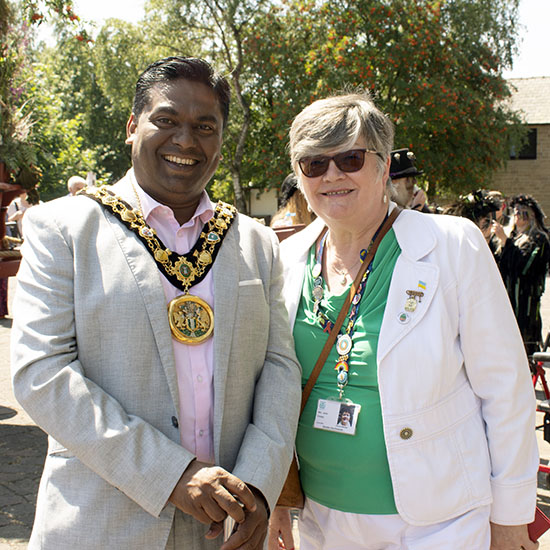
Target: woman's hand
{"x":511,"y":537}
{"x":280,"y":530}
{"x":498,"y":231}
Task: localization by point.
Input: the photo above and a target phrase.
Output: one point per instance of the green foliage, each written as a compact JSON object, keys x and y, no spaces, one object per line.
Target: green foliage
{"x":434,"y":66}
{"x":17,"y":148}
{"x":215,"y":30}
{"x":19,"y":141}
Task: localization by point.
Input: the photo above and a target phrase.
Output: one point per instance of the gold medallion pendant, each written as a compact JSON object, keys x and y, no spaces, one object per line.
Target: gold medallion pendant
{"x":191,"y":319}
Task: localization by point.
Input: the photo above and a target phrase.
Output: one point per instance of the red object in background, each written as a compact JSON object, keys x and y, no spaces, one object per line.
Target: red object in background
{"x":288,"y":230}
{"x":540,"y":525}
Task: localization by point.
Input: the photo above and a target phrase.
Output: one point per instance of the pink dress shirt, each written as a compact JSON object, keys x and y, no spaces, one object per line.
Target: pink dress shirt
{"x":194,"y":364}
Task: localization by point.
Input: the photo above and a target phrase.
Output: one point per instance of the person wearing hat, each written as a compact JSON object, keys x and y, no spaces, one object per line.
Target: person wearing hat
{"x":523,"y":261}
{"x":403,"y":175}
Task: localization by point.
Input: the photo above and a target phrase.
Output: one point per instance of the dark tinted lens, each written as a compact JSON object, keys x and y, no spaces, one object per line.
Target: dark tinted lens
{"x":313,"y":167}
{"x":350,"y":161}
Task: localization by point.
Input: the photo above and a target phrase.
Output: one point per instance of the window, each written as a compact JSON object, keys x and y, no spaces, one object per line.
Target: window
{"x":527,"y":150}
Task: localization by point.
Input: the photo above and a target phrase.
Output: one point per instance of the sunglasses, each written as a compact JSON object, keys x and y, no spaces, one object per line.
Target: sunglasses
{"x":347,"y":161}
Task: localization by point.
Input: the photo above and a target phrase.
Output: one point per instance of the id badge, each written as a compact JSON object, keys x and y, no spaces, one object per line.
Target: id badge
{"x":337,"y":416}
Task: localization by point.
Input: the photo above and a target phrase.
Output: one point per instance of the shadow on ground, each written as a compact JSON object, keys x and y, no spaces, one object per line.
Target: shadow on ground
{"x":22,"y":453}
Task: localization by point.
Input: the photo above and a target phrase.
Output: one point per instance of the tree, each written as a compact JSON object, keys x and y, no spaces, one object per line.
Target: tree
{"x":20,"y":142}
{"x":83,"y":97}
{"x":216,"y":30}
{"x":433,"y":65}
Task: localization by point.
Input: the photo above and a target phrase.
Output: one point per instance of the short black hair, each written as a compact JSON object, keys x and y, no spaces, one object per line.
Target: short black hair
{"x":190,"y":68}
{"x":288,"y":188}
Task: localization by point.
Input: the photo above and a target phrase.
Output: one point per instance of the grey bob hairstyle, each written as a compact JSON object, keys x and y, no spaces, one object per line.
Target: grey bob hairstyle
{"x":336,"y":123}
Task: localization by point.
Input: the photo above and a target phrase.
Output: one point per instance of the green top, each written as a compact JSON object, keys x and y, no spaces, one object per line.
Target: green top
{"x":344,"y":472}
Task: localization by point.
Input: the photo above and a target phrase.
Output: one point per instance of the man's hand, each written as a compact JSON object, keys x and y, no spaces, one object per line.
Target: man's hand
{"x":418,"y":200}
{"x":210,"y":494}
{"x":250,"y":534}
{"x":280,"y":530}
{"x":511,"y":537}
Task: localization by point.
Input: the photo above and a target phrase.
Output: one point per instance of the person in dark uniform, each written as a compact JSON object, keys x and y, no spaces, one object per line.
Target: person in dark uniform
{"x":523,"y":261}
{"x":403,"y":174}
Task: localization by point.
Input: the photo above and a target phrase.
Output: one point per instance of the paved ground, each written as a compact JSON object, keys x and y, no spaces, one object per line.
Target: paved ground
{"x":23,"y":448}
{"x":22,"y":452}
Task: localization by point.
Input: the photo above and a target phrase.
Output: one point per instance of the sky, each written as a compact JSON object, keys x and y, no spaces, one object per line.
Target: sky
{"x":534,"y":46}
{"x":100,"y":10}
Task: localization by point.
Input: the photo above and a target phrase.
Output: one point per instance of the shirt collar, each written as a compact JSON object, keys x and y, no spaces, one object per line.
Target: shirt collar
{"x":204,"y":211}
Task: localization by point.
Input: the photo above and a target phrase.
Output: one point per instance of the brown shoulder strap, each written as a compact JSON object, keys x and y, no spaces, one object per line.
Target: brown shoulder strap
{"x":345,"y":308}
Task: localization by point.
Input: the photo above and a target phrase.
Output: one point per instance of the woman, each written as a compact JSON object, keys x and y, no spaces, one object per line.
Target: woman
{"x":482,"y":207}
{"x":523,"y":262}
{"x":293,"y":209}
{"x":442,"y":452}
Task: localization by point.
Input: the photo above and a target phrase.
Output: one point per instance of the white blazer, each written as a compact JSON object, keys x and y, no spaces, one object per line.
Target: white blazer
{"x":453,"y":373}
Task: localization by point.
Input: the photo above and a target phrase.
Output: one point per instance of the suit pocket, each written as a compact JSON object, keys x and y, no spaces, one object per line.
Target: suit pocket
{"x":250,"y":282}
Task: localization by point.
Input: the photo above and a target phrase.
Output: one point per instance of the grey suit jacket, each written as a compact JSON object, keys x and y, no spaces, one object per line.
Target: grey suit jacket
{"x":93,"y":365}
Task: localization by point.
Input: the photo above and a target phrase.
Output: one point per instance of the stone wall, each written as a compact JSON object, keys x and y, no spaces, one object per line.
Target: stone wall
{"x":529,"y":176}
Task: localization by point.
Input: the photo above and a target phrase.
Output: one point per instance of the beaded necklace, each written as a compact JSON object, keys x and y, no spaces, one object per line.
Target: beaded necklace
{"x":344,"y":341}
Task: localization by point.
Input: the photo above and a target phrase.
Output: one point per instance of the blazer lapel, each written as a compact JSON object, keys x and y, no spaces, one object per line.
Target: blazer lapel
{"x":294,"y":252}
{"x":416,"y":240}
{"x":226,"y":290}
{"x":397,"y":321}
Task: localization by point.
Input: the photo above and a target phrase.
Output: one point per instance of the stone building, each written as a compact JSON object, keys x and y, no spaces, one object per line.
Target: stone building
{"x":528,"y":170}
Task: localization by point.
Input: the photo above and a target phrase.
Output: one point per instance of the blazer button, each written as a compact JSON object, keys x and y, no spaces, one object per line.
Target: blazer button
{"x":175,"y":422}
{"x":406,"y":433}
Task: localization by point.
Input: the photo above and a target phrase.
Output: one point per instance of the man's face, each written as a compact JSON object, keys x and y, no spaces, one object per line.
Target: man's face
{"x":176,"y":141}
{"x":403,"y":190}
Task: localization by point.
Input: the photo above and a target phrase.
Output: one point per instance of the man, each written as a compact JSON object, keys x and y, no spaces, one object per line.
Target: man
{"x":75,"y":184}
{"x":161,"y":422}
{"x":403,"y":173}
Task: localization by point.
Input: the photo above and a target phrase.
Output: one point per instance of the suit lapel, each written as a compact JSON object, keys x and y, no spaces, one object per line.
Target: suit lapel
{"x":226,"y":290}
{"x":147,"y":278}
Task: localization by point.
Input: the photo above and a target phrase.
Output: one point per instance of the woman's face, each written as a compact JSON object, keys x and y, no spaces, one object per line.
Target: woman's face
{"x":348,"y":198}
{"x":523,"y":216}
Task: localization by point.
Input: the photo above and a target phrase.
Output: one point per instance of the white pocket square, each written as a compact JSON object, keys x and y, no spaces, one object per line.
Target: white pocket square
{"x":250,"y":282}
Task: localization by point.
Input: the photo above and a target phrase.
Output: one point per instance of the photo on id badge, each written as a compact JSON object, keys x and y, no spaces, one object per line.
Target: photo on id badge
{"x":336,"y":416}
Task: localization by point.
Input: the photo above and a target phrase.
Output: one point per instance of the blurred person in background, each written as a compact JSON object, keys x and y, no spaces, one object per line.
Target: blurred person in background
{"x":293,"y":208}
{"x":403,"y":174}
{"x":75,"y":184}
{"x":523,"y":259}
